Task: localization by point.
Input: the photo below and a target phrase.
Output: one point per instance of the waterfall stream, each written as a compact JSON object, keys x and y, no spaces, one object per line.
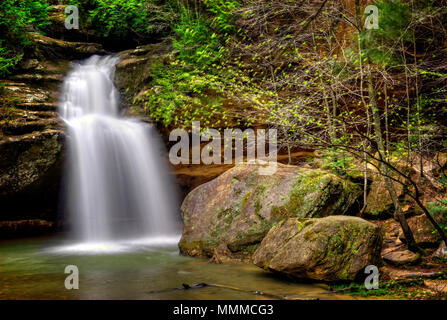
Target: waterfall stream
{"x":119,"y":189}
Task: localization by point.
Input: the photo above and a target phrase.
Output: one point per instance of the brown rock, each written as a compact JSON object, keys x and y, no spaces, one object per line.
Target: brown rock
{"x":402,"y":257}
{"x":66,"y":49}
{"x":379,"y":199}
{"x":397,"y":274}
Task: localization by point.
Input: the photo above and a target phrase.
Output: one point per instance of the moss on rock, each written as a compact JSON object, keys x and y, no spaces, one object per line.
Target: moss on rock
{"x":330,"y":249}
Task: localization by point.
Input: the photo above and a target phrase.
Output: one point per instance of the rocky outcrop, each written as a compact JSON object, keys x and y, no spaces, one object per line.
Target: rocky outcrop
{"x":31,"y":142}
{"x":31,"y":151}
{"x":402,"y":257}
{"x":438,"y":286}
{"x":65,"y":49}
{"x":133,"y":72}
{"x":32,"y":134}
{"x":330,"y":249}
{"x":24,"y":160}
{"x":237,"y":209}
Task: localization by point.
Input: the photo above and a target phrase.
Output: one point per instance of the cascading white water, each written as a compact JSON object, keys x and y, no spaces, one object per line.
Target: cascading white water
{"x":118,"y":187}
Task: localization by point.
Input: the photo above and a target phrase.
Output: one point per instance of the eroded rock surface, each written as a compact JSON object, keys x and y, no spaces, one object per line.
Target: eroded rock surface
{"x":402,"y":257}
{"x":32,"y":134}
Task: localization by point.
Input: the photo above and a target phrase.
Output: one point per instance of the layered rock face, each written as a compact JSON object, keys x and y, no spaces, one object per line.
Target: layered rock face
{"x":31,"y":142}
{"x":32,"y":135}
{"x":329,"y":249}
{"x":236,"y":210}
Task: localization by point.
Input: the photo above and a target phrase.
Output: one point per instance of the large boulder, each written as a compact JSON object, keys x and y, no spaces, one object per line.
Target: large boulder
{"x":238,"y":208}
{"x":329,"y":249}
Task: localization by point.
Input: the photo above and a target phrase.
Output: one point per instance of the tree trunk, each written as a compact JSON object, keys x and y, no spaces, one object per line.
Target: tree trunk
{"x":398,"y":214}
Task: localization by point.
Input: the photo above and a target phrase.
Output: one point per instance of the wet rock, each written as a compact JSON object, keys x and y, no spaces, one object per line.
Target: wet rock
{"x":19,"y":92}
{"x":239,"y":207}
{"x":402,"y":257}
{"x":330,"y":249}
{"x":58,"y":30}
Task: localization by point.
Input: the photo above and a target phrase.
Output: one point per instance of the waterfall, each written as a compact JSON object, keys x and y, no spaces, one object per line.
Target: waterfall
{"x":118,"y":186}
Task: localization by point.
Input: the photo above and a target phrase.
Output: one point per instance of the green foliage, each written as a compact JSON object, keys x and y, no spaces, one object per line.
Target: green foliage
{"x":15,"y":17}
{"x":394,"y":289}
{"x":192,"y":86}
{"x":181,"y":94}
{"x":337,"y":159}
{"x":116,"y":17}
{"x":394,"y":20}
{"x":195,"y":41}
{"x":223,"y":14}
{"x":125,"y":19}
{"x":8,"y":58}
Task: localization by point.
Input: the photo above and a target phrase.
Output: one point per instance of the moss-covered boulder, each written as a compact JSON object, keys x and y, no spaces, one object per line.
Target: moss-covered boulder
{"x":239,"y":207}
{"x":329,"y":249}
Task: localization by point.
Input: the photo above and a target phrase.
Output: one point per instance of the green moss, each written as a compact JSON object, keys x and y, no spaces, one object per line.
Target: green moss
{"x":258,"y":206}
{"x":188,"y":246}
{"x":317,"y":194}
{"x":244,"y":201}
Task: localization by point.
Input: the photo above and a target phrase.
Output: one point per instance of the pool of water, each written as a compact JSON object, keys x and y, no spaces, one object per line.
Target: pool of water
{"x":34,"y":269}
